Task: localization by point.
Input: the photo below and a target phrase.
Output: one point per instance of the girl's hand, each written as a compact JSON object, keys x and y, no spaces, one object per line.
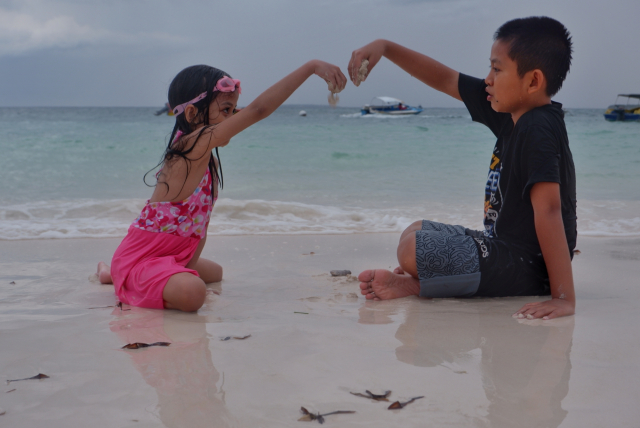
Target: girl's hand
{"x":371,"y":52}
{"x":547,"y":310}
{"x":331,"y":74}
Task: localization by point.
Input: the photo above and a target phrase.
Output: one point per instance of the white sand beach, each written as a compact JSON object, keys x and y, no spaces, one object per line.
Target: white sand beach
{"x":314,"y":339}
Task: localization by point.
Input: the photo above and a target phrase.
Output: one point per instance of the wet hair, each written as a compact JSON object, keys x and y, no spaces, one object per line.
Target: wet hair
{"x":187,"y":85}
{"x":539,"y":42}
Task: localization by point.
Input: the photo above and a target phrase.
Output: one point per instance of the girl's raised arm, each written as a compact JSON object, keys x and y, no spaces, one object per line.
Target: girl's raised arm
{"x":273,"y":97}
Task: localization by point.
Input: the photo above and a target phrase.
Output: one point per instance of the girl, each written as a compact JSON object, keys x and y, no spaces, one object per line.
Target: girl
{"x":158,"y":264}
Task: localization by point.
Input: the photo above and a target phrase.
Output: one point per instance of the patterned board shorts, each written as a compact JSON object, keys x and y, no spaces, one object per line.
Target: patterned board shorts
{"x":447,"y":259}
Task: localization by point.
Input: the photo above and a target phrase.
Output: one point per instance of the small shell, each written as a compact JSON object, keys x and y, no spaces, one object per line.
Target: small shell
{"x":340,"y":272}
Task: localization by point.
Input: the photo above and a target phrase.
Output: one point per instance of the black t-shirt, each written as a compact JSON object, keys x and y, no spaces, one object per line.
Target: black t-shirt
{"x":535,"y":150}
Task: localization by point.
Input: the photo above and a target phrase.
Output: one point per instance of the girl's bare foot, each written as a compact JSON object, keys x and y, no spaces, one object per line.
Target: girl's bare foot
{"x":104,"y":273}
{"x":381,"y":284}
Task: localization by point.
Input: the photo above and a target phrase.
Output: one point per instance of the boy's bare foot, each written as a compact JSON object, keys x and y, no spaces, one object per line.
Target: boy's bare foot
{"x":104,"y":273}
{"x":380,"y":284}
{"x":399,"y":271}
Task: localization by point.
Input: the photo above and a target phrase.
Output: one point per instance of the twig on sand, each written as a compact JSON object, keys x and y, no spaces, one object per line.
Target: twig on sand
{"x":235,"y":337}
{"x":38,"y":376}
{"x":377,"y":397}
{"x":138,"y":345}
{"x":396,"y":405}
{"x":308,"y":416}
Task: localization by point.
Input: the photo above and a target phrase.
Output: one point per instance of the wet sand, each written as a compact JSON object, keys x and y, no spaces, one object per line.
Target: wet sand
{"x":313,"y":340}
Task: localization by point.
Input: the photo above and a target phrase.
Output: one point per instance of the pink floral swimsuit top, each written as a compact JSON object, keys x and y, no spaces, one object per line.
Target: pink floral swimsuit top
{"x":188,"y":218}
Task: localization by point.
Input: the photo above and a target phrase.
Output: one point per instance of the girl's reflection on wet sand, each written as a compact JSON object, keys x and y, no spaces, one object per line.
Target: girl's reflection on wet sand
{"x":182,"y":374}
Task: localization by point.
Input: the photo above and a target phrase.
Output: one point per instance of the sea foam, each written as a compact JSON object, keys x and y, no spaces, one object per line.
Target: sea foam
{"x":89,"y":218}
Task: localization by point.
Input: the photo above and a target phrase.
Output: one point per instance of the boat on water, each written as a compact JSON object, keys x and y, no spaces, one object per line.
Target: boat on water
{"x":389,"y":105}
{"x":629,"y":112}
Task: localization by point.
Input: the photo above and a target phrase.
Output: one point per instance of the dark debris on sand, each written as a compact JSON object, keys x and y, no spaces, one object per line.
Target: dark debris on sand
{"x":138,"y":345}
{"x":38,"y":376}
{"x":308,"y":416}
{"x":396,"y":405}
{"x":369,"y":394}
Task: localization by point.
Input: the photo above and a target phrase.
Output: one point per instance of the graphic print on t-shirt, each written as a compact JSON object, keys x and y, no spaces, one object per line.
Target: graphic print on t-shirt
{"x":492,"y":195}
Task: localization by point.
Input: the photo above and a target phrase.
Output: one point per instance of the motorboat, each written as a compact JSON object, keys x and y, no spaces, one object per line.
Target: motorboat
{"x":389,"y":105}
{"x":629,"y":112}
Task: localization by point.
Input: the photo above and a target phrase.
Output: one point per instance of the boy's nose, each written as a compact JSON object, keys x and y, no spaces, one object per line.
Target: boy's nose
{"x":488,"y":80}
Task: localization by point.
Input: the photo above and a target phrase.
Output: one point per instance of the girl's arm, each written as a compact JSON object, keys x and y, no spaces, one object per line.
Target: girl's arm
{"x":272,"y":98}
{"x":422,"y":67}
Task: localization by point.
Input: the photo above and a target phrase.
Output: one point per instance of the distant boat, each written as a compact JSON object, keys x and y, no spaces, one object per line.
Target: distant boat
{"x":624,"y":112}
{"x":389,"y":105}
{"x":166,"y":109}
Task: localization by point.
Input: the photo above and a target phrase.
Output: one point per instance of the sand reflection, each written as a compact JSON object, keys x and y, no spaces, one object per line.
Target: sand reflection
{"x":182,"y":374}
{"x":524,"y":365}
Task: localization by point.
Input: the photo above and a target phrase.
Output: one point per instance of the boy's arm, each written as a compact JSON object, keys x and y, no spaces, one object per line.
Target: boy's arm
{"x":545,"y":198}
{"x":425,"y":69}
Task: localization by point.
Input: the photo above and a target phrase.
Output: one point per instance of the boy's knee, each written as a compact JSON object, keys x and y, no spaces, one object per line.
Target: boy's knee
{"x":416,"y":225}
{"x":407,"y":254}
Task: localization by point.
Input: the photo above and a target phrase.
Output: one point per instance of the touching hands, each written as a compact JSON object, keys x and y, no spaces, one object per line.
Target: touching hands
{"x":331,"y":74}
{"x":372,"y":53}
{"x":546,"y":310}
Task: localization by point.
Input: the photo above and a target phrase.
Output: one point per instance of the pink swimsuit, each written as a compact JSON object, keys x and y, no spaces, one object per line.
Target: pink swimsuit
{"x":160,"y":243}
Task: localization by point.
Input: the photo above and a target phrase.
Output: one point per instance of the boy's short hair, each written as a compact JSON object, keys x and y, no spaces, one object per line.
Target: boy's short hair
{"x":539,"y":42}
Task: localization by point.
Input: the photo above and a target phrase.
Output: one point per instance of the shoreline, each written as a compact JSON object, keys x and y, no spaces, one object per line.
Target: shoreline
{"x":313,"y":340}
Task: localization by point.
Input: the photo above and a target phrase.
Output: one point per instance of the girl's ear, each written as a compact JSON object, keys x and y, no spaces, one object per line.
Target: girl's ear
{"x":190,"y":113}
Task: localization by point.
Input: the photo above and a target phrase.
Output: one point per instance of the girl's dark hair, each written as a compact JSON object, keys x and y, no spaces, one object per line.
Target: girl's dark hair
{"x":539,"y":42}
{"x":187,"y":85}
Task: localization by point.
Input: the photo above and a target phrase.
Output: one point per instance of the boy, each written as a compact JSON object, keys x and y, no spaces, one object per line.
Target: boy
{"x":530,"y":198}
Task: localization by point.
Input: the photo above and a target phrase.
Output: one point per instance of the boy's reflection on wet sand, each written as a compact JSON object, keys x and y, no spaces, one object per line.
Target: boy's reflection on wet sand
{"x":182,"y":374}
{"x":524,"y":365}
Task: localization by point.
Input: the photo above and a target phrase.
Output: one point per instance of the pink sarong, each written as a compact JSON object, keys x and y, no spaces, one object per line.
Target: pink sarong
{"x":144,"y":262}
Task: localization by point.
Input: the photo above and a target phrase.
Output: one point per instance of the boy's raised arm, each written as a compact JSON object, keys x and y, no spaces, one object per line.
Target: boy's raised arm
{"x":545,"y":198}
{"x":422,"y":67}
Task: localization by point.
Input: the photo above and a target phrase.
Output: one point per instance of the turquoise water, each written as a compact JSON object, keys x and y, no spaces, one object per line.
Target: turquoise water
{"x":76,"y":172}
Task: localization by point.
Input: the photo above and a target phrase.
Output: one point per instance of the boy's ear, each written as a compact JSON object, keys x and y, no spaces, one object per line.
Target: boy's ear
{"x":537,"y":81}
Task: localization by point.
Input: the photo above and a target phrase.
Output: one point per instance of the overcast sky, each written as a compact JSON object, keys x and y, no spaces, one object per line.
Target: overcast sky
{"x":125,"y":52}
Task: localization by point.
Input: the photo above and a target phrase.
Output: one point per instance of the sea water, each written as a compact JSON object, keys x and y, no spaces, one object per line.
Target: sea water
{"x":78,"y":172}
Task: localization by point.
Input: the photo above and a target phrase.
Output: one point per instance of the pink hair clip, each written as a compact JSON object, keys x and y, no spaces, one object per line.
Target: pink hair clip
{"x":225,"y":84}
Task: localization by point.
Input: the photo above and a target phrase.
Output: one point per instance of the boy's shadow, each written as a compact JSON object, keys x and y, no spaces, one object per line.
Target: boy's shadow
{"x":182,"y":374}
{"x":524,"y":365}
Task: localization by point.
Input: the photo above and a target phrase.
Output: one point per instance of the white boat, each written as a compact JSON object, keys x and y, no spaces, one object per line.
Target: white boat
{"x":389,"y":105}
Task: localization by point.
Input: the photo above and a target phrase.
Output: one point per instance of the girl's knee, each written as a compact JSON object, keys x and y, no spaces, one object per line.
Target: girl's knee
{"x":185,"y":292}
{"x":194,"y":297}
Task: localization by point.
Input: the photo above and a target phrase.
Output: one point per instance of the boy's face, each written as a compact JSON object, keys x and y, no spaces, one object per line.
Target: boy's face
{"x":507,"y":90}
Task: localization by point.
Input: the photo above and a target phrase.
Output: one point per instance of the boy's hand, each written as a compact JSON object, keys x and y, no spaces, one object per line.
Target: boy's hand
{"x":547,"y":310}
{"x":371,"y":52}
{"x":331,"y":74}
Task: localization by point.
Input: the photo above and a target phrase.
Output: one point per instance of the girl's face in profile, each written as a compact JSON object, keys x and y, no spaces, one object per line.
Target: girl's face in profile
{"x":223,"y":107}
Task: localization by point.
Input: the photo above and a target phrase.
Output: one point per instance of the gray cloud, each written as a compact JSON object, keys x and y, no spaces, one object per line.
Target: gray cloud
{"x":125,"y":52}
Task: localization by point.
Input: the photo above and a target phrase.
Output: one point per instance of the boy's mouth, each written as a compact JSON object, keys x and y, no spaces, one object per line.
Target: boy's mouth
{"x":489,"y":96}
